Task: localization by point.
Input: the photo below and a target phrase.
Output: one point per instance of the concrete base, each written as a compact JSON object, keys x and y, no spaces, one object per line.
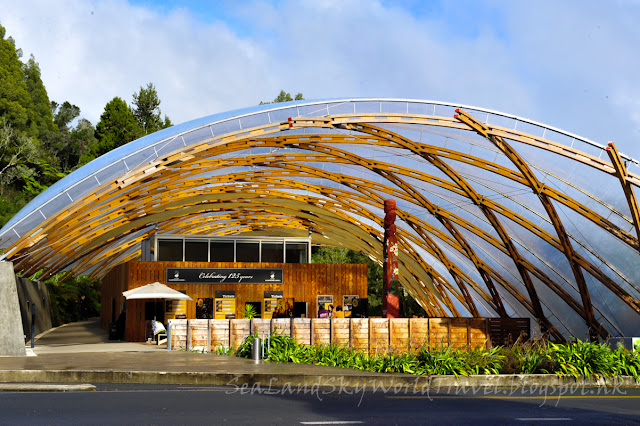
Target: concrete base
{"x":11,"y":331}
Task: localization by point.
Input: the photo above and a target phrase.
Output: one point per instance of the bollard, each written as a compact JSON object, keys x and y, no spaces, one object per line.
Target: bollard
{"x":33,"y":325}
{"x":169,"y":335}
{"x":255,"y":349}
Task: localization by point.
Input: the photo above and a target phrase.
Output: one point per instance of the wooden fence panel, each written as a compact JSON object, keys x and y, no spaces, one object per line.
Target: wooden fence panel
{"x":418,"y":333}
{"x":478,"y":335}
{"x":179,"y":334}
{"x":281,"y":326}
{"x":239,"y":330}
{"x":359,"y":333}
{"x":379,"y":335}
{"x":458,"y":336}
{"x":399,"y":334}
{"x":341,"y":331}
{"x":439,"y":332}
{"x":505,"y":331}
{"x":219,"y":329}
{"x":199,"y":329}
{"x":261,"y":327}
{"x":322,"y":331}
{"x":301,"y":331}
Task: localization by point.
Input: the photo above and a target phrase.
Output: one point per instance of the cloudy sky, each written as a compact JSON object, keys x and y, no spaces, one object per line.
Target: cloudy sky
{"x":572,"y":64}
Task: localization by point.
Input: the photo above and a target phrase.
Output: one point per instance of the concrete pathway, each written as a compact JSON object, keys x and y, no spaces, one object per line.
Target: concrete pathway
{"x":81,"y":353}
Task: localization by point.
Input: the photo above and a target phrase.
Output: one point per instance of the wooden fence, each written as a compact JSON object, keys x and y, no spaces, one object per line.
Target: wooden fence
{"x":375,"y":335}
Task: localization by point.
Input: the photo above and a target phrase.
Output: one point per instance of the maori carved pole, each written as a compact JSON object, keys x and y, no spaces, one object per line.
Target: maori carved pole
{"x":391,"y":286}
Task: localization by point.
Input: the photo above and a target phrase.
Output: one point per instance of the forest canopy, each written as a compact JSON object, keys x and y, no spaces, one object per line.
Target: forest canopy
{"x":42,"y":140}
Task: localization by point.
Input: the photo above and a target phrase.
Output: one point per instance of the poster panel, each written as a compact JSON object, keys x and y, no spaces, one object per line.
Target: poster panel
{"x":322,"y":302}
{"x":225,"y":304}
{"x":347,"y":304}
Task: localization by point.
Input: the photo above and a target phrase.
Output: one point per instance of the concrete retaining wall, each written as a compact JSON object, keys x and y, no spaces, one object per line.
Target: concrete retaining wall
{"x":29,"y":293}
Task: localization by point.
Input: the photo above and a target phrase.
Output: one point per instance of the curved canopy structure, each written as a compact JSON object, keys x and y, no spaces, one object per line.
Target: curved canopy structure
{"x":497,"y":215}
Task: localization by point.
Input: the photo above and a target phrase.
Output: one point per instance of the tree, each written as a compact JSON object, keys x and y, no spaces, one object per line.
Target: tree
{"x":408,"y":305}
{"x":117,"y":126}
{"x":146,"y":110}
{"x":68,"y":146}
{"x":64,"y":114}
{"x":284,"y":97}
{"x":17,"y":152}
{"x":14,"y":96}
{"x":39,"y":111}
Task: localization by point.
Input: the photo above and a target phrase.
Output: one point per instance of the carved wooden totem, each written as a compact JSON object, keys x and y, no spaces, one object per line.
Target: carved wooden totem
{"x":391,"y":286}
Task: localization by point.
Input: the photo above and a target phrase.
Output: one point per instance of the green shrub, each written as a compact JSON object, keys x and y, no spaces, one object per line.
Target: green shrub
{"x":534,"y":357}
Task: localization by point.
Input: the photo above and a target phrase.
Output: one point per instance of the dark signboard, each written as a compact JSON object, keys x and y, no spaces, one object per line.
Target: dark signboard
{"x":224,"y":276}
{"x":225,"y":294}
{"x":271,"y":294}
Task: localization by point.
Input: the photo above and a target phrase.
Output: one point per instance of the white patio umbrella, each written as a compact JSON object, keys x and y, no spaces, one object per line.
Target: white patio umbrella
{"x":154,"y":291}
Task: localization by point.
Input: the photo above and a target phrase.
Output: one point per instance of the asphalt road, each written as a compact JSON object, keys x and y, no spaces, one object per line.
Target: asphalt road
{"x":147,"y":404}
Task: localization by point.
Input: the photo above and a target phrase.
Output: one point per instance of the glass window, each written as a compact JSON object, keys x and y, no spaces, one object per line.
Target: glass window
{"x":247,"y":251}
{"x":196,"y":251}
{"x":170,"y":250}
{"x":272,"y":252}
{"x":222,"y":251}
{"x":297,"y":253}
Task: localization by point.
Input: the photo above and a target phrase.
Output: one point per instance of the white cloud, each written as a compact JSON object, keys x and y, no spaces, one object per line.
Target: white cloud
{"x":569,"y":64}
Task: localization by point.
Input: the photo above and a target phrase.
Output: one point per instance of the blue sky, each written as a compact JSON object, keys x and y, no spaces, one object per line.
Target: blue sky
{"x":572,"y":64}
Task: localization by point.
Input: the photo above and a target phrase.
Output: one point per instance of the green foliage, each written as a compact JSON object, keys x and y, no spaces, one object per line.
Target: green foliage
{"x":15,"y":100}
{"x":65,"y":296}
{"x":18,"y":155}
{"x":146,"y":110}
{"x":334,"y":255}
{"x":39,"y":112}
{"x":579,"y":359}
{"x":117,"y":126}
{"x":250,"y":311}
{"x":284,"y":97}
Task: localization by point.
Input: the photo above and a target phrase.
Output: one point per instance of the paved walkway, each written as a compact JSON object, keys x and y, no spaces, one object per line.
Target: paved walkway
{"x":81,"y":353}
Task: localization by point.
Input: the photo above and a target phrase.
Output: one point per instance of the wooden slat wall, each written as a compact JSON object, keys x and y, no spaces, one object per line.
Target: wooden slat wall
{"x":379,"y":337}
{"x":419,"y":333}
{"x":359,"y":333}
{"x":439,"y":332}
{"x":399,"y":334}
{"x":281,"y":326}
{"x":301,"y":330}
{"x":376,"y":335}
{"x":113,"y":284}
{"x":341,"y":331}
{"x":302,"y":281}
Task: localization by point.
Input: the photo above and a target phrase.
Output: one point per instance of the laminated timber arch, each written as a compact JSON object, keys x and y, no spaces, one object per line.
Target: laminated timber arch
{"x":497,"y":215}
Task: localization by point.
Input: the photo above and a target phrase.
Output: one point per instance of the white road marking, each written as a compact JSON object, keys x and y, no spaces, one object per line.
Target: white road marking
{"x":541,"y":419}
{"x":334,"y":422}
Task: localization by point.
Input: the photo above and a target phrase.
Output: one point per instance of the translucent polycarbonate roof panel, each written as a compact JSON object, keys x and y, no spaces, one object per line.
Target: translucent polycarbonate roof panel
{"x":212,"y":166}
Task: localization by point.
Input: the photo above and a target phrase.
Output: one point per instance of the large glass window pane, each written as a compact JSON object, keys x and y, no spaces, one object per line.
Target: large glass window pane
{"x":247,"y":251}
{"x":196,"y":251}
{"x":297,"y":253}
{"x":170,"y":250}
{"x":272,"y":252}
{"x":221,"y":251}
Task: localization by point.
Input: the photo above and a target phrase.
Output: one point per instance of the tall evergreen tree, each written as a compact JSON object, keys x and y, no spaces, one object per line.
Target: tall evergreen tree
{"x":117,"y":126}
{"x":40,"y":116}
{"x":146,"y":109}
{"x":14,"y":96}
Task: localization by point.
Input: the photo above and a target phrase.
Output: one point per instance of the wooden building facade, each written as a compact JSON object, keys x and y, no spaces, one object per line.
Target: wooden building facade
{"x":301,"y":282}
